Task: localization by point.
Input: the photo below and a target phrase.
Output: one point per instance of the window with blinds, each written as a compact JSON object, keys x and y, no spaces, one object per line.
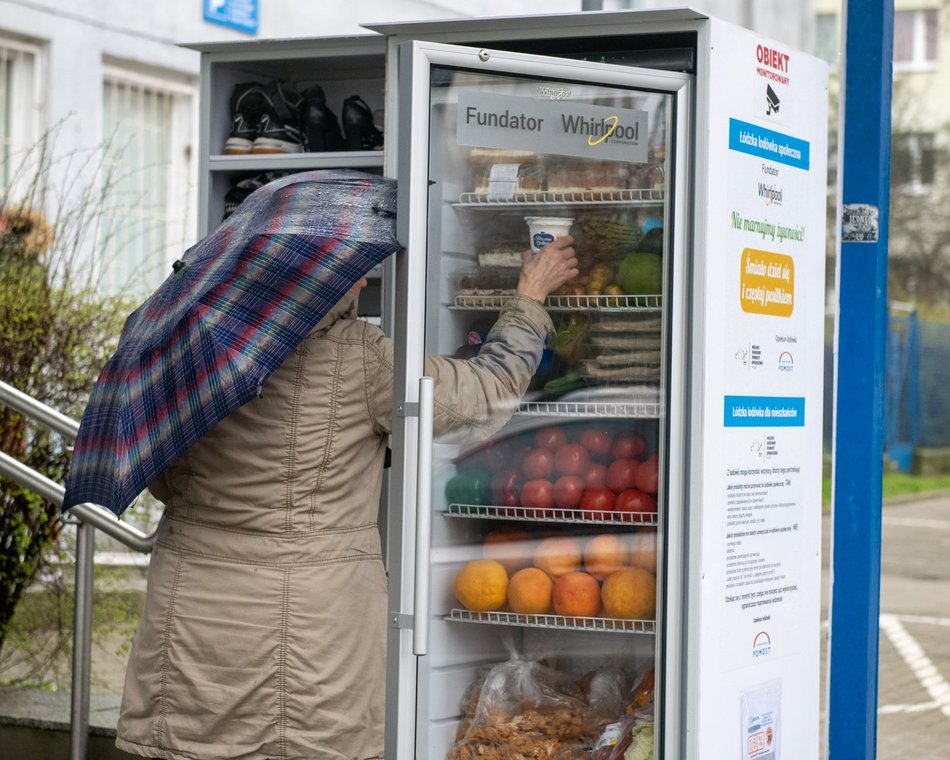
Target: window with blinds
{"x":915,"y":39}
{"x":148,"y":182}
{"x":19,"y":107}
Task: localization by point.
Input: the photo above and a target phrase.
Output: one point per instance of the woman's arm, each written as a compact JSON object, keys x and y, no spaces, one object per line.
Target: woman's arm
{"x":474,"y":397}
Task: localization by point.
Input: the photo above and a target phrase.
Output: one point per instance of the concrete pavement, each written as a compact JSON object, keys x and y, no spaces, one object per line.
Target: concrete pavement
{"x":914,"y":649}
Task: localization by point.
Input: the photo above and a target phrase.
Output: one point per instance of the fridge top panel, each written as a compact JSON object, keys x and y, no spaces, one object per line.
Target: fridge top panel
{"x":540,"y":24}
{"x":266,"y":49}
{"x":662,"y":41}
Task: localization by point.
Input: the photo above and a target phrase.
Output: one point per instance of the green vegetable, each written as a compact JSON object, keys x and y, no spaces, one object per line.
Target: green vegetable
{"x":641,"y":274}
{"x":641,"y":748}
{"x":469,"y":487}
{"x":570,"y":340}
{"x":569,"y":382}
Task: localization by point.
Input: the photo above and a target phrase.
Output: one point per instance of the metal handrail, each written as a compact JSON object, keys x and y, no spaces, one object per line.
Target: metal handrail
{"x":93,"y":514}
{"x":29,"y":406}
{"x":88,"y":517}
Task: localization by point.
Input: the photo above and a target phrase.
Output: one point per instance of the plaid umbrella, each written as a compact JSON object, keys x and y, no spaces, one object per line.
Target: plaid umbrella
{"x":236,"y":304}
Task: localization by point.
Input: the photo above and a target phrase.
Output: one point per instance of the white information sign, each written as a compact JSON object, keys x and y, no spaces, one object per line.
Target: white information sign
{"x":763,"y":338}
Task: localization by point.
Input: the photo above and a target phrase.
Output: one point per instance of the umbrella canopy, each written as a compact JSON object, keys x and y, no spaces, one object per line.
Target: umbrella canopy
{"x":235,"y":306}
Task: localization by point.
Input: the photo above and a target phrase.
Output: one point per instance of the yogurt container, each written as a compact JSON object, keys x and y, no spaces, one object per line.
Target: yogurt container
{"x":543,"y":229}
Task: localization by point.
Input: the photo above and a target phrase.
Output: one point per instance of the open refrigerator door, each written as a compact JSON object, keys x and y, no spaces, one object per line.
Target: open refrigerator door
{"x":549,"y":581}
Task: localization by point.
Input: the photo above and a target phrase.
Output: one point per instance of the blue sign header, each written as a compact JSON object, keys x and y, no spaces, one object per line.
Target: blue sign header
{"x":767,"y":143}
{"x":763,"y":411}
{"x":236,"y":14}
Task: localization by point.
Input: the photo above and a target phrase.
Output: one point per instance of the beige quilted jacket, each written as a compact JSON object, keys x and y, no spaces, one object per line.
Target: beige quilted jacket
{"x":263,"y":634}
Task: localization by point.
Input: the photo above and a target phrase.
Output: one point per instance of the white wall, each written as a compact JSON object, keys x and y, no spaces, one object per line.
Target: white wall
{"x":77,"y":36}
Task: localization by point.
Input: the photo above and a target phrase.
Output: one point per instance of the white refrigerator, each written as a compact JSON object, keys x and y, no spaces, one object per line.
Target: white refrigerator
{"x":635,"y":556}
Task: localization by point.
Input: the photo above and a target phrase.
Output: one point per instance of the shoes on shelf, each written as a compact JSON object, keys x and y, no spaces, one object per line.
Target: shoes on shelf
{"x":319,"y":125}
{"x":274,"y":118}
{"x":279,"y":127}
{"x":358,"y":127}
{"x":242,"y":188}
{"x":248,"y":102}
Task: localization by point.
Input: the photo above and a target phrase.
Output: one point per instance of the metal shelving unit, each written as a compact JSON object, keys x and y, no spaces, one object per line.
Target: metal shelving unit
{"x":342,"y":66}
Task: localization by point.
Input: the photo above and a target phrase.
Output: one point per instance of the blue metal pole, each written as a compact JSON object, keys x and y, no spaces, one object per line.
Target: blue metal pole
{"x":860,"y":338}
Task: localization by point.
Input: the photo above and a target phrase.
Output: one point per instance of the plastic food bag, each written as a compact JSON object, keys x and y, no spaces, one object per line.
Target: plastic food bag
{"x":524,"y":710}
{"x":607,"y":692}
{"x":614,"y":739}
{"x":629,"y":700}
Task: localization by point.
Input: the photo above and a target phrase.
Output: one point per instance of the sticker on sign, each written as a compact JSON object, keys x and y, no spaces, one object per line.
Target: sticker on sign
{"x":859,"y":223}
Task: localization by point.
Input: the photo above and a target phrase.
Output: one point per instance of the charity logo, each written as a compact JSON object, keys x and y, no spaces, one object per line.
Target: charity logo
{"x":762,"y":644}
{"x":750,"y":356}
{"x":786,"y":363}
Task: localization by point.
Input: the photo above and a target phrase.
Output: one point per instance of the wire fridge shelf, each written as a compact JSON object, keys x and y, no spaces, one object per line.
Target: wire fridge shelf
{"x":610,"y":625}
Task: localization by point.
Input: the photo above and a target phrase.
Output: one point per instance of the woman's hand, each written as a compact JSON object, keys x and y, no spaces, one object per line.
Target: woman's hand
{"x":548,"y":269}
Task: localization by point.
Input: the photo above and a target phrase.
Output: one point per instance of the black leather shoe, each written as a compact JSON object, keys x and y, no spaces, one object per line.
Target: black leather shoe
{"x":279,"y":125}
{"x":361,"y":133}
{"x":319,"y":125}
{"x":248,"y":103}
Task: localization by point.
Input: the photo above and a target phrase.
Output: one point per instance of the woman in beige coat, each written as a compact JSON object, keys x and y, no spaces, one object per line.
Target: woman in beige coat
{"x":263,"y":634}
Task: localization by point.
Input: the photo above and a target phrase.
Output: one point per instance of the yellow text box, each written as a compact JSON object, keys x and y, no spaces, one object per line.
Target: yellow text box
{"x":767,"y":283}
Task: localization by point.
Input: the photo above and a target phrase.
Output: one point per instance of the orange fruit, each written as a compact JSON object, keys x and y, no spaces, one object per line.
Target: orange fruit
{"x":529,"y":591}
{"x":603,"y":554}
{"x":482,"y":585}
{"x":630,"y":593}
{"x":643,"y":550}
{"x":558,"y":555}
{"x":510,"y":546}
{"x":576,"y":593}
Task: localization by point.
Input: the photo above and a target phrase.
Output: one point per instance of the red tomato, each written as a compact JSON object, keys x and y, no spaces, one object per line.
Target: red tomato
{"x":597,"y":500}
{"x":493,"y":456}
{"x":633,"y":500}
{"x":538,"y":463}
{"x":629,"y":445}
{"x":597,"y":441}
{"x":596,"y":475}
{"x":648,"y":474}
{"x":505,"y":486}
{"x":550,"y":437}
{"x":511,"y":452}
{"x":571,"y":459}
{"x":567,"y":491}
{"x":537,"y":494}
{"x":622,"y":474}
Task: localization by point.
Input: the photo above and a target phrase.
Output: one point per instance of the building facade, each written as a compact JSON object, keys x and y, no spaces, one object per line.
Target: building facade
{"x":108,"y":87}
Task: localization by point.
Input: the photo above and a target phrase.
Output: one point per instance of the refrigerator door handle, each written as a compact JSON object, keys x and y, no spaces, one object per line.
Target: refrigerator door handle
{"x":420,"y":605}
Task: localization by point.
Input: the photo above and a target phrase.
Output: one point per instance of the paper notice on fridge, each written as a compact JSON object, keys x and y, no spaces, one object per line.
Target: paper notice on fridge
{"x":503,"y":180}
{"x":760,"y":721}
